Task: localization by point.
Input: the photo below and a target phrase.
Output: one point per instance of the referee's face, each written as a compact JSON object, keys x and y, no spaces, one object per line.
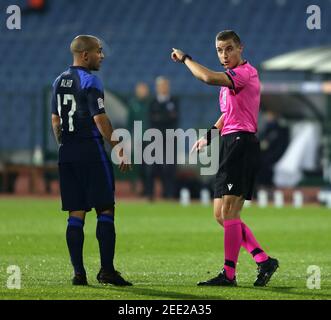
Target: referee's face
{"x":95,"y":57}
{"x":229,"y":53}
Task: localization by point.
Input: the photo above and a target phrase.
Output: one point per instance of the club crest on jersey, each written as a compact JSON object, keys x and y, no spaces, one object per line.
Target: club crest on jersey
{"x":230,"y":186}
{"x":100,"y":103}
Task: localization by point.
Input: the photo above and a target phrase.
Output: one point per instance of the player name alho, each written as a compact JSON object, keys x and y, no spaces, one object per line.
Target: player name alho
{"x":13,"y":21}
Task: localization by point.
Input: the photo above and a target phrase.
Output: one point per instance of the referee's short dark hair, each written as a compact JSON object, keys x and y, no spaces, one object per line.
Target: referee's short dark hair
{"x":227,"y":35}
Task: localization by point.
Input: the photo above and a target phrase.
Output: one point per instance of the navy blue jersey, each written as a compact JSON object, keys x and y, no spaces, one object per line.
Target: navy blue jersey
{"x":77,"y":97}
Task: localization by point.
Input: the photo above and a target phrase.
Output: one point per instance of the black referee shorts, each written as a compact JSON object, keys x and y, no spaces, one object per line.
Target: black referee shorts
{"x":239,"y":163}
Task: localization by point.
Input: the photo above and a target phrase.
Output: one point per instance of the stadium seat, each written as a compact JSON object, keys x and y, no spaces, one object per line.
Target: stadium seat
{"x":138,"y":39}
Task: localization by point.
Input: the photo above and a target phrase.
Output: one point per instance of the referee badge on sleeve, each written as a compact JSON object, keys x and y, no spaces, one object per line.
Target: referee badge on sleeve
{"x":100,"y":103}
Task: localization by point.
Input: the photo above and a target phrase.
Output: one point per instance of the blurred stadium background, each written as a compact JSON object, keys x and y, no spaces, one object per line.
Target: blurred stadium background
{"x":294,"y":65}
{"x":165,"y":248}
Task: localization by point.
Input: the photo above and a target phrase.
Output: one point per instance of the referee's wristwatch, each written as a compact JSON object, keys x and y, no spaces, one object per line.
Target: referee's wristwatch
{"x":185,"y":56}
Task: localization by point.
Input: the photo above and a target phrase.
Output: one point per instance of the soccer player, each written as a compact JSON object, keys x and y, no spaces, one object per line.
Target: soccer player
{"x":86,"y":174}
{"x":239,"y":153}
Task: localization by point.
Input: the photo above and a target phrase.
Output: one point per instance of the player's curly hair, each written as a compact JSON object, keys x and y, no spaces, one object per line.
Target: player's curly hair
{"x":227,"y":35}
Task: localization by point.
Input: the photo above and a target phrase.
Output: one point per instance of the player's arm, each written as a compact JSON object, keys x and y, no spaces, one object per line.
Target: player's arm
{"x":56,"y":124}
{"x":220,"y":122}
{"x":200,"y":72}
{"x":211,"y":133}
{"x":105,"y":127}
{"x":56,"y":120}
{"x":95,"y":96}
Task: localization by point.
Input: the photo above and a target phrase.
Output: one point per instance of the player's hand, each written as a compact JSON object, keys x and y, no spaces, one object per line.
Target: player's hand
{"x":177,"y":55}
{"x":199,"y":145}
{"x":125,"y":164}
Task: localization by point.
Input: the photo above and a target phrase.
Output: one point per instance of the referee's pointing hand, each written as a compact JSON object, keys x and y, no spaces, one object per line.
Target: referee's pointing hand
{"x":177,"y":55}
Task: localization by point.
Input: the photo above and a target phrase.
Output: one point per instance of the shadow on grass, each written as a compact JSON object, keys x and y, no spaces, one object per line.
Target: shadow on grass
{"x":157,"y":293}
{"x":288,"y":290}
{"x":154,"y":293}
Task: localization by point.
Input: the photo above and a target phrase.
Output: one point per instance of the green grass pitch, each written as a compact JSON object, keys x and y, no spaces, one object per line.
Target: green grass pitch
{"x":164,"y":249}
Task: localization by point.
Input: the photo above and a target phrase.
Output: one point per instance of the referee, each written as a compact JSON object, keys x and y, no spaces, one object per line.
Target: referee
{"x":239,"y":153}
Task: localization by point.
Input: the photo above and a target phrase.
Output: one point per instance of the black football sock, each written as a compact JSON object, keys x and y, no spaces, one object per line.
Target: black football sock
{"x":75,"y":241}
{"x":106,"y":236}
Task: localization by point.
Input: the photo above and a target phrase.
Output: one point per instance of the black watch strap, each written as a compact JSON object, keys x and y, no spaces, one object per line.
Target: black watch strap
{"x":211,"y":134}
{"x":186,"y":56}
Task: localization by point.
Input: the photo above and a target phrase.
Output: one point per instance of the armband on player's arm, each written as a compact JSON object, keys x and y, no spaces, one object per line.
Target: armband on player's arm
{"x":211,"y":134}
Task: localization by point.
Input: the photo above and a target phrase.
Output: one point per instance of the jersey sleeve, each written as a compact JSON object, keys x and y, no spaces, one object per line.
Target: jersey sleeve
{"x":95,"y":96}
{"x":238,"y":76}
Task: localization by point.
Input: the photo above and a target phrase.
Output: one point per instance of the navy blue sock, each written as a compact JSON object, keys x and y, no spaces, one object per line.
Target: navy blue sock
{"x":106,"y":236}
{"x":75,"y":241}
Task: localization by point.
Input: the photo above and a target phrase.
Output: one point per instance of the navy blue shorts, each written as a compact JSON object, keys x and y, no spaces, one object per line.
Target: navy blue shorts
{"x":86,"y":185}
